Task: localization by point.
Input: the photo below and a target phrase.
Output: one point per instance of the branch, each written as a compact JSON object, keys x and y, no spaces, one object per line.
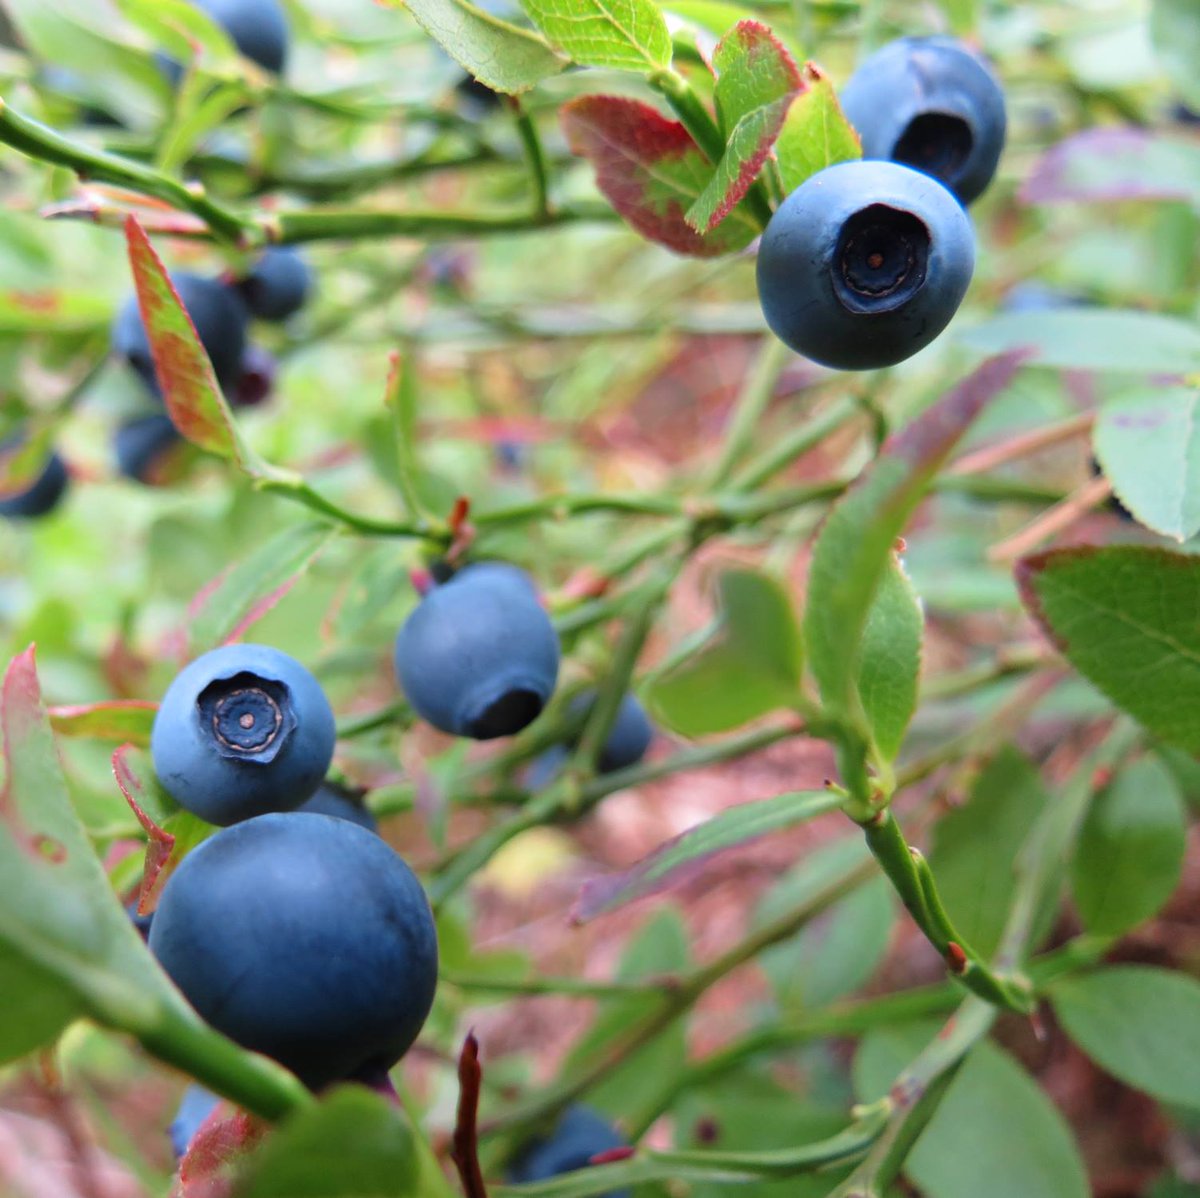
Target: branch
{"x":465,"y":1150}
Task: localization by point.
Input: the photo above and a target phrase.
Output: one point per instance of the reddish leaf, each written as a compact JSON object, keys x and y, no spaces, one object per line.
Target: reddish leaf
{"x":651,"y":171}
{"x":28,"y":751}
{"x":121,"y":719}
{"x":221,"y":1143}
{"x":756,"y":82}
{"x":185,"y":374}
{"x":171,"y":832}
{"x":1115,"y":164}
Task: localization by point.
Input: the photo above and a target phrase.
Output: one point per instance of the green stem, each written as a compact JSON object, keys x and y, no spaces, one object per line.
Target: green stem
{"x":795,"y":444}
{"x":570,"y":987}
{"x":535,"y":157}
{"x":296,"y":489}
{"x":752,"y":402}
{"x":47,"y":145}
{"x":402,"y":404}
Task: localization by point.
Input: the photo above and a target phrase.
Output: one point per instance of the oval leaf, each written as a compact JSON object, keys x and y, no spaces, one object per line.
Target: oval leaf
{"x":1140,"y":1024}
{"x":121,"y":720}
{"x":1126,"y":617}
{"x":623,"y":35}
{"x":651,"y":171}
{"x":1130,"y":851}
{"x":1148,"y":444}
{"x":816,"y":133}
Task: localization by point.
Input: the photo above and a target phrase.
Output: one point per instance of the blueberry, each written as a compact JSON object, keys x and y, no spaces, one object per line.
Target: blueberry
{"x":930,"y":103}
{"x":198,"y":1103}
{"x":278,"y":285}
{"x":546,"y":767}
{"x":256,"y":383}
{"x":141,"y":922}
{"x":629,"y":737}
{"x":43,"y":495}
{"x":864,"y":264}
{"x":334,"y":800}
{"x":303,"y":937}
{"x":580,"y":1135}
{"x":218,"y":313}
{"x":241,"y":731}
{"x":478,"y":656}
{"x":144,"y":445}
{"x":258,"y":28}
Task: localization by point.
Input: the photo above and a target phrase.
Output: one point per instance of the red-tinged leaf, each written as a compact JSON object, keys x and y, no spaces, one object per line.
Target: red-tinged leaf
{"x":190,"y":389}
{"x":684,"y":854}
{"x":121,"y":719}
{"x":856,"y":544}
{"x":756,"y":80}
{"x":52,"y":312}
{"x":651,"y":171}
{"x":29,"y":752}
{"x":223,"y":1141}
{"x":1109,"y":165}
{"x":243,"y":593}
{"x":171,"y":832}
{"x":816,"y":133}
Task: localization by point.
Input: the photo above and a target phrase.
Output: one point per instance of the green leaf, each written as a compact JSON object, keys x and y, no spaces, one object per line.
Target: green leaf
{"x":651,"y":171}
{"x":733,"y":826}
{"x":996,"y":1134}
{"x":183,"y":30}
{"x":355,"y":1144}
{"x":1130,"y":851}
{"x":1140,"y":1024}
{"x":816,"y":133}
{"x":1175,"y":32}
{"x":190,"y":390}
{"x":248,"y":590}
{"x":120,"y":720}
{"x":756,"y":80}
{"x":856,"y":544}
{"x":623,"y":35}
{"x":1093,"y":339}
{"x":962,"y":14}
{"x":1125,"y":618}
{"x":67,"y":947}
{"x":753,"y":666}
{"x":974,"y":847}
{"x":890,"y":668}
{"x":500,"y":55}
{"x":837,"y":953}
{"x":1149,"y":447}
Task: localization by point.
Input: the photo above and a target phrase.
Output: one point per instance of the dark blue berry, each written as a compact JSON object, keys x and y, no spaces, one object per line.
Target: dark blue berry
{"x":43,"y":495}
{"x":218,"y":313}
{"x":864,"y":264}
{"x":198,"y":1103}
{"x":629,"y":737}
{"x":932,"y":104}
{"x":478,"y":656}
{"x":333,"y":800}
{"x":278,"y":285}
{"x":144,"y":445}
{"x":580,"y":1135}
{"x":256,"y":383}
{"x":241,"y":731}
{"x":141,"y":922}
{"x":258,"y":28}
{"x":303,"y":937}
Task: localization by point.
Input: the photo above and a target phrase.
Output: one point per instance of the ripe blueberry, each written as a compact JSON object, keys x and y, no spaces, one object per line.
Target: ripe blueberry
{"x":141,"y":922}
{"x":241,"y":731}
{"x":932,"y":104}
{"x":627,"y":742}
{"x":478,"y":656}
{"x":198,"y":1103}
{"x":218,"y":313}
{"x":43,"y":495}
{"x":334,"y":800}
{"x":303,"y":937}
{"x":258,"y":28}
{"x":580,"y":1135}
{"x":256,"y":383}
{"x":864,"y":264}
{"x":278,"y":285}
{"x":144,"y":446}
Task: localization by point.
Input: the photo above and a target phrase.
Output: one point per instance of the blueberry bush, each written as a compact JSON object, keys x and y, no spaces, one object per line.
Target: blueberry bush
{"x":577,"y":622}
